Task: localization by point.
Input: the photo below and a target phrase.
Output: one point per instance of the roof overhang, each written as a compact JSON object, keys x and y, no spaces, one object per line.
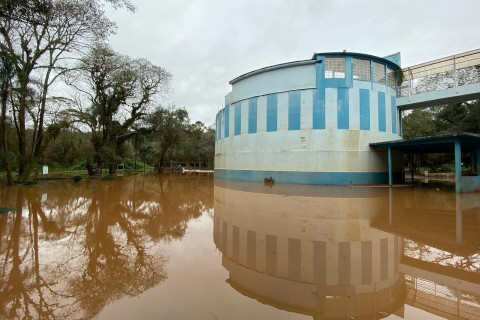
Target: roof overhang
{"x":439,"y":144}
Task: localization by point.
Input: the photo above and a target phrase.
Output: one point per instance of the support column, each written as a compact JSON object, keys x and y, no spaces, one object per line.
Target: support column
{"x":458,"y":165}
{"x":390,"y":176}
{"x":478,"y":161}
{"x":472,"y":163}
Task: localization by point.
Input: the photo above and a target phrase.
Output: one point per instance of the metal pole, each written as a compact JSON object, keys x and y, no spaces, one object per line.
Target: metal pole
{"x":458,"y":165}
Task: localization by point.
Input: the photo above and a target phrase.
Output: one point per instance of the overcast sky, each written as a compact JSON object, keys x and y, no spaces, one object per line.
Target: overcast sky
{"x":207,"y":43}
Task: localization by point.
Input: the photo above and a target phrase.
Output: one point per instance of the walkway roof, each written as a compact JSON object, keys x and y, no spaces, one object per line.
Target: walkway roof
{"x":439,"y":144}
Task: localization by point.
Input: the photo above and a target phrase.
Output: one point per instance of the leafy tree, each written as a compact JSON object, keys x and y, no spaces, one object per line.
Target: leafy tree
{"x":460,"y":117}
{"x":198,"y":145}
{"x":418,"y":123}
{"x":40,"y":37}
{"x":168,"y":126}
{"x":118,"y":90}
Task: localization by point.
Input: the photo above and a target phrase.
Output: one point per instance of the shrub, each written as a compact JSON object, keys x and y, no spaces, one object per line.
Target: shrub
{"x":108,"y":177}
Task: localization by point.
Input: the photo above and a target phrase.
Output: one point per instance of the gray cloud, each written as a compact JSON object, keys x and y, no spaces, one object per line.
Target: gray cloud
{"x":207,"y":43}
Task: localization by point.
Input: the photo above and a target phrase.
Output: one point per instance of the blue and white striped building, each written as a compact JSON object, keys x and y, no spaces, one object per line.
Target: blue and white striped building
{"x":311,"y":122}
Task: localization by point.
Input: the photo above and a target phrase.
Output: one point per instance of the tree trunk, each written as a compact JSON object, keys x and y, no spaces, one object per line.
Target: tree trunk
{"x":90,"y":169}
{"x":4,"y":136}
{"x":37,"y":143}
{"x":112,"y":168}
{"x":160,"y":166}
{"x":22,"y":137}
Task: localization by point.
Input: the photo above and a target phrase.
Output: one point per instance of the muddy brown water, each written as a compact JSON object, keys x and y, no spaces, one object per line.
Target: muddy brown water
{"x":189,"y":247}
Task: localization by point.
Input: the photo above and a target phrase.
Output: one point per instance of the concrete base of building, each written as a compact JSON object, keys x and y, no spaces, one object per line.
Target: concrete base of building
{"x":314,"y":178}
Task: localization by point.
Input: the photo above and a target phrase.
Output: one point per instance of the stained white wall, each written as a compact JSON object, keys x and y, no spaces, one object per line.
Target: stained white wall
{"x":285,"y":79}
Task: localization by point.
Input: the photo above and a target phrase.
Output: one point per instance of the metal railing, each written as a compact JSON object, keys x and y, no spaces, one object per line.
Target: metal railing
{"x":449,"y":72}
{"x":441,"y":299}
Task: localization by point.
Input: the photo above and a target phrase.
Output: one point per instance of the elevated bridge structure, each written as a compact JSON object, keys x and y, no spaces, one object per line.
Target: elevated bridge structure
{"x":451,"y":79}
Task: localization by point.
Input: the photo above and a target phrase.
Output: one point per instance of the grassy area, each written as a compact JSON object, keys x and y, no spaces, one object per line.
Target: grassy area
{"x":65,"y":173}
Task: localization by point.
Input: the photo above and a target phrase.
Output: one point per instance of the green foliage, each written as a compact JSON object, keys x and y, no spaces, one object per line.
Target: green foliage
{"x":419,"y":123}
{"x":460,"y":117}
{"x":444,"y":168}
{"x":168,"y":127}
{"x":108,"y":177}
{"x":450,"y":118}
{"x":130,"y":164}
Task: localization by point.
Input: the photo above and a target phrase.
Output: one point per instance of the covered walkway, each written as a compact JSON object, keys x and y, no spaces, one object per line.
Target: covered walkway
{"x":449,"y":143}
{"x":450,"y":79}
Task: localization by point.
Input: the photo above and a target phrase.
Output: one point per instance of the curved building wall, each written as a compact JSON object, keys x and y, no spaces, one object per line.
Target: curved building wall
{"x":310,"y":122}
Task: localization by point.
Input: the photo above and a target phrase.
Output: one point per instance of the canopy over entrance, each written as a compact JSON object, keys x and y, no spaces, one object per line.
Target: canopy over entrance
{"x":449,"y":143}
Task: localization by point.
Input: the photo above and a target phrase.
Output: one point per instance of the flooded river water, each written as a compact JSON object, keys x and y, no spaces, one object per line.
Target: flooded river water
{"x":187,"y":247}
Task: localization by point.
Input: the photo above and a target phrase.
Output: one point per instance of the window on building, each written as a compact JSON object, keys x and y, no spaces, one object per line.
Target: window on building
{"x":391,"y":77}
{"x":378,"y":72}
{"x":361,"y":69}
{"x":334,"y":67}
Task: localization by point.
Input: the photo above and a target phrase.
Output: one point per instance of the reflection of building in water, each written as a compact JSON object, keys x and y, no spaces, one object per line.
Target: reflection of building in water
{"x":310,"y":254}
{"x":336,"y":251}
{"x":440,"y":258}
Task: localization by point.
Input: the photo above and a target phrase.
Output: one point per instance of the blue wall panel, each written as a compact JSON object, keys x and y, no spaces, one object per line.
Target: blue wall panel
{"x":237,"y":128}
{"x":342,"y":108}
{"x":319,"y":109}
{"x":227,"y":121}
{"x":394,"y":114}
{"x":382,"y":116}
{"x":272,"y":100}
{"x":252,"y":115}
{"x":364,"y":109}
{"x":302,"y":177}
{"x":294,"y":110}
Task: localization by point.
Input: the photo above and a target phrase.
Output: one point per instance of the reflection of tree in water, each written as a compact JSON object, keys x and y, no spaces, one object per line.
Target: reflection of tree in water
{"x":85,"y":247}
{"x":430,"y":254}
